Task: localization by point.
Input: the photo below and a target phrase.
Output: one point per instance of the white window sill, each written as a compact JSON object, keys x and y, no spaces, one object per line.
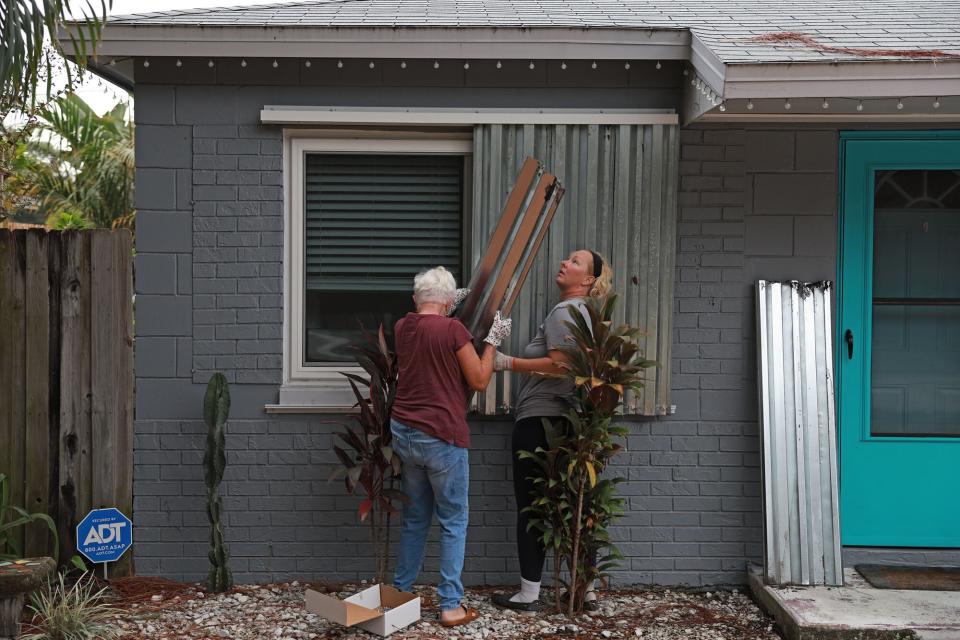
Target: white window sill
{"x":323,"y":395}
{"x":290,"y":408}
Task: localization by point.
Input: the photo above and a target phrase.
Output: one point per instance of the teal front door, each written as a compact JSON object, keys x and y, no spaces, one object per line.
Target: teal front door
{"x":898,"y":349}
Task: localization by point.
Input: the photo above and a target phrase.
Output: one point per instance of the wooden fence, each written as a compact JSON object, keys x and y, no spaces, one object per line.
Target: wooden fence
{"x":66,"y":377}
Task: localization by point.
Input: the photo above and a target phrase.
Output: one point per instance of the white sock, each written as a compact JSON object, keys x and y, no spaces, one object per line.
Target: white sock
{"x":529,"y":592}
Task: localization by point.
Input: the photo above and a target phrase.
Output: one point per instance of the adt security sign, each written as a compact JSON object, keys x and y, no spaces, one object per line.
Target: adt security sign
{"x":104,"y":535}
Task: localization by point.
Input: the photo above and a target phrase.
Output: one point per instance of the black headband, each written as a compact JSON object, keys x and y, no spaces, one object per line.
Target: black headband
{"x":597,"y":264}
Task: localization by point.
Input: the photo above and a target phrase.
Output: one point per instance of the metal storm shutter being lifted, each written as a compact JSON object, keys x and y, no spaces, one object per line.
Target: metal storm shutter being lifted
{"x":372,"y":221}
{"x":621,"y":186}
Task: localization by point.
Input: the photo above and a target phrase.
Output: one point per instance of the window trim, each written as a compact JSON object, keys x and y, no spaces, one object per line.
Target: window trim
{"x":322,"y":388}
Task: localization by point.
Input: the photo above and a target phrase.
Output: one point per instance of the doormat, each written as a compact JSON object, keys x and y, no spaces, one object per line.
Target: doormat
{"x":885,"y":576}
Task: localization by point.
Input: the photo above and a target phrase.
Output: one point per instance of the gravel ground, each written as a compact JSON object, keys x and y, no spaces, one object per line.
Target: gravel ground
{"x":276,"y":612}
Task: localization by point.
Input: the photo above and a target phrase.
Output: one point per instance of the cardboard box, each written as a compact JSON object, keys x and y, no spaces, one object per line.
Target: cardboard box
{"x":363,"y":609}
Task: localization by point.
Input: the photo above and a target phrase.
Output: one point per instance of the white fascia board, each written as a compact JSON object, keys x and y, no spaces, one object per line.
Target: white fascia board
{"x":360,"y":116}
{"x":707,"y":65}
{"x":842,"y":79}
{"x":875,"y":118}
{"x":475,"y":43}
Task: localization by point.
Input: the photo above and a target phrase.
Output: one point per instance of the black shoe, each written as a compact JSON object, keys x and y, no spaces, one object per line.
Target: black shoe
{"x":503,"y":600}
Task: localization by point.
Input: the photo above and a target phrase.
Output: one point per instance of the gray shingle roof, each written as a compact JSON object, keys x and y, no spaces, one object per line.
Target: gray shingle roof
{"x":817,"y":30}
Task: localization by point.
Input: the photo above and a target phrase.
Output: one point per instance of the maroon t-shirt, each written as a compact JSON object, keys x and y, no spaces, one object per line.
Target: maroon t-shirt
{"x":431,"y":391}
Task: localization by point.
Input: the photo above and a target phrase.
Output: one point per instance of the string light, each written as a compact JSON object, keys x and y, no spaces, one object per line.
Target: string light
{"x":594,"y":65}
{"x":275,"y":64}
{"x":146,"y":63}
{"x":466,"y":65}
{"x":372,"y":65}
{"x":403,"y":64}
{"x":179,"y":62}
{"x":499,"y":65}
{"x":339,"y":64}
{"x":723,"y":107}
{"x":532,"y":66}
{"x":749,"y":105}
{"x":436,"y":65}
{"x":307,"y":64}
{"x":660,"y":66}
{"x":860,"y":105}
{"x":243,"y":63}
{"x":936,"y":103}
{"x":210,"y":63}
{"x":626,"y":65}
{"x":787,"y":105}
{"x":899,"y":104}
{"x":563,"y":65}
{"x":825,"y":105}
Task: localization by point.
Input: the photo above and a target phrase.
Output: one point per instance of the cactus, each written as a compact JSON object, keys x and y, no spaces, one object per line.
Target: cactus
{"x":216,"y":407}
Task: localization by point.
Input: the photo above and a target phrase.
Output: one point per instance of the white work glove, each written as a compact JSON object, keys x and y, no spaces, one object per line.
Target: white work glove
{"x":502,"y":362}
{"x":499,"y":330}
{"x":459,"y":296}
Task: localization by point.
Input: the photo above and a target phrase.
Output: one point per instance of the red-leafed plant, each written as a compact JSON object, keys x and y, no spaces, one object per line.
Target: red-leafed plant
{"x":368,"y":461}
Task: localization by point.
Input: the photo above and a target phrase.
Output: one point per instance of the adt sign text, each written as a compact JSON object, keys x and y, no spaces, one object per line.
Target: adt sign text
{"x":104,"y":535}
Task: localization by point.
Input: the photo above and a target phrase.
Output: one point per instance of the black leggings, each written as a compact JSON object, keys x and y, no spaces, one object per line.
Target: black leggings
{"x":527,"y":436}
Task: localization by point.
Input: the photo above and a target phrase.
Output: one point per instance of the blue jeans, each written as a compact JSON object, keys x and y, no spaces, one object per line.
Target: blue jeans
{"x":436,"y":477}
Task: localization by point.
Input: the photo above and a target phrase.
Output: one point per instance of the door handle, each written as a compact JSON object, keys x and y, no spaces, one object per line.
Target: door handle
{"x":848,"y":337}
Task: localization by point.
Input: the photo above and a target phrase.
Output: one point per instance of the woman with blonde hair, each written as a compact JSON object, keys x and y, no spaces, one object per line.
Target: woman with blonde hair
{"x":437,"y":364}
{"x":547,"y":393}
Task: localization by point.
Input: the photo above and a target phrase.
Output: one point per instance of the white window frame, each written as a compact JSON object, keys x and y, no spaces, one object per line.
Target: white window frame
{"x":323,"y":388}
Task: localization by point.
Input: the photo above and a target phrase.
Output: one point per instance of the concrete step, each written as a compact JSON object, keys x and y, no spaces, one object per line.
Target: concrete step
{"x":858,"y":611}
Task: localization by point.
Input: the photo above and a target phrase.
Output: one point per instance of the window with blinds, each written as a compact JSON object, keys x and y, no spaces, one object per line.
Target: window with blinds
{"x":371,"y":222}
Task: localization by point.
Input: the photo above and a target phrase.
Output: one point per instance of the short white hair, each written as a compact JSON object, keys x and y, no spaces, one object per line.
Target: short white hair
{"x":434,"y":285}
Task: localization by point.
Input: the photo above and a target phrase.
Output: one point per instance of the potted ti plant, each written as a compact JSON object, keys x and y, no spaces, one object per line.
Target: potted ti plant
{"x":368,"y":462}
{"x":574,"y":506}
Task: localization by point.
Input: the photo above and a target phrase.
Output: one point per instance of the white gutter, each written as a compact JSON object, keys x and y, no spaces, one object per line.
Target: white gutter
{"x":475,"y":43}
{"x":707,"y":65}
{"x":843,"y":79}
{"x":319,"y":115}
{"x":891,"y":118}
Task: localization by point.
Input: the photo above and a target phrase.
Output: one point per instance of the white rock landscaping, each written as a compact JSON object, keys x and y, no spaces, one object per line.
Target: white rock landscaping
{"x":277,"y":612}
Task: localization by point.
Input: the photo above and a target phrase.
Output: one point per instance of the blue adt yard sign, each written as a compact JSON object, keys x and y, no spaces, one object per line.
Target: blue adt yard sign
{"x":104,"y":535}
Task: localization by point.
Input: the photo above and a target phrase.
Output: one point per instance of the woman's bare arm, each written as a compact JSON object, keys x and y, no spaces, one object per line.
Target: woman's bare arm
{"x":477,"y":370}
{"x":549,"y":366}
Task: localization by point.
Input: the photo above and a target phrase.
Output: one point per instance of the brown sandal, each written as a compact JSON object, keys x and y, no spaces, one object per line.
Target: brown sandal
{"x":469,"y":616}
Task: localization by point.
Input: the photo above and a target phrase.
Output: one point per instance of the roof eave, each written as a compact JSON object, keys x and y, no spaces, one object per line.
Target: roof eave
{"x":865,"y":79}
{"x":394,"y":42}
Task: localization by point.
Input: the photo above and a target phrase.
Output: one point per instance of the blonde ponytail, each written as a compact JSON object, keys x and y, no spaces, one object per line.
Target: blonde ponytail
{"x":604,"y":282}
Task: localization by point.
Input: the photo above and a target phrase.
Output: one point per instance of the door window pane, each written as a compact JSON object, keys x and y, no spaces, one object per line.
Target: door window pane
{"x":916,"y":304}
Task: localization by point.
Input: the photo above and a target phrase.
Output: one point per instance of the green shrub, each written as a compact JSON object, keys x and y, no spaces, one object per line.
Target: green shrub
{"x":9,"y":546}
{"x":78,"y":612}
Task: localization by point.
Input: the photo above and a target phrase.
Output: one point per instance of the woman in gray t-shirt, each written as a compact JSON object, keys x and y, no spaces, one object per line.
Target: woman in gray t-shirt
{"x":547,"y":393}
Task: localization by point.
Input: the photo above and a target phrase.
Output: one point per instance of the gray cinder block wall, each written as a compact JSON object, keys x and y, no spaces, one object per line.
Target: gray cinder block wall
{"x":754,"y":203}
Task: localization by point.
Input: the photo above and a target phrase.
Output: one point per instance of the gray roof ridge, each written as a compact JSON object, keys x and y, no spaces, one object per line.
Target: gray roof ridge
{"x":199,"y":11}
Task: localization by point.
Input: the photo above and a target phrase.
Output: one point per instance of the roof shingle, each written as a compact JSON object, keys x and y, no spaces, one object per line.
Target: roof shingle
{"x":732,"y":29}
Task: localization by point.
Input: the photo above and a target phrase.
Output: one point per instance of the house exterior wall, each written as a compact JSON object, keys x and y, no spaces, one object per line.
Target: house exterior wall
{"x":754,"y":202}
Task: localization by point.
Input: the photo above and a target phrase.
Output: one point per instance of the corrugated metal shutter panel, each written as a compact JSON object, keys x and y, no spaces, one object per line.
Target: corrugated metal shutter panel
{"x":621,"y":184}
{"x":373,"y":221}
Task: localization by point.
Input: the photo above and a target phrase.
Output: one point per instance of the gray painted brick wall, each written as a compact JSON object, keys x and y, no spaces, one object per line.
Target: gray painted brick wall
{"x":753,"y":203}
